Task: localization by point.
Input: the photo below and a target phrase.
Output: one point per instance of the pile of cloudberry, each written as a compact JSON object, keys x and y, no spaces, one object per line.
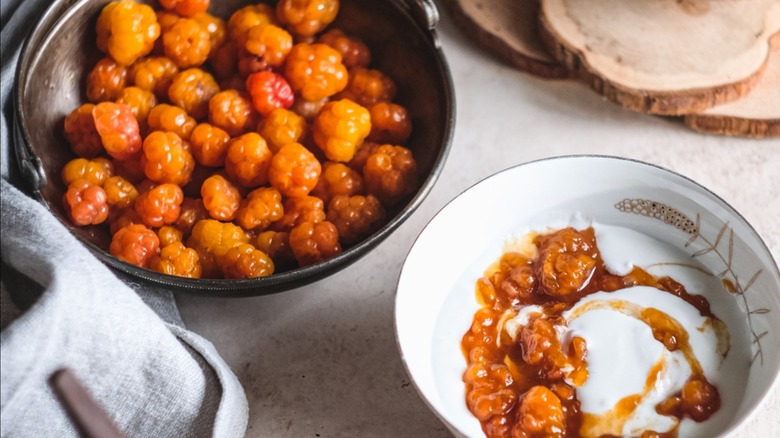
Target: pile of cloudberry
{"x":230,"y":149}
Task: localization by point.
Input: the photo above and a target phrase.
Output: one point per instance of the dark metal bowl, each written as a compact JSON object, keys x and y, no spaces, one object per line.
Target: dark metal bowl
{"x":61,"y":50}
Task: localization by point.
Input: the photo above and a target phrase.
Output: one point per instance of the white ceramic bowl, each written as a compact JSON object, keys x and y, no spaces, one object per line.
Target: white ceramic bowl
{"x":436,"y":300}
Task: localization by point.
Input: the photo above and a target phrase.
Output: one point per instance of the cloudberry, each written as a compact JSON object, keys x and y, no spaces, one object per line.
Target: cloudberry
{"x":306,"y":17}
{"x":277,"y":245}
{"x":126,"y":30}
{"x":209,"y":145}
{"x":261,"y":207}
{"x":95,"y":171}
{"x":312,"y":243}
{"x":216,"y":237}
{"x":298,"y":210}
{"x":315,"y":71}
{"x":367,"y":87}
{"x":153,"y":74}
{"x":160,"y":205}
{"x":220,"y":197}
{"x":281,"y":128}
{"x":248,"y":17}
{"x":271,"y":44}
{"x":166,"y":158}
{"x":120,"y":193}
{"x":215,"y":26}
{"x":390,"y":174}
{"x":246,"y":261}
{"x":340,"y":128}
{"x":233,"y":112}
{"x":187,"y":43}
{"x":118,"y":129}
{"x":192,"y":210}
{"x":169,"y":234}
{"x":269,"y":91}
{"x":248,"y":160}
{"x":140,"y":102}
{"x":390,"y":123}
{"x":191,"y":90}
{"x":186,"y":8}
{"x":294,"y":170}
{"x":176,"y":259}
{"x":164,"y":117}
{"x":106,"y":80}
{"x":337,"y":179}
{"x":355,"y":216}
{"x":130,"y":169}
{"x":81,"y":133}
{"x":85,"y":203}
{"x":353,"y":51}
{"x":136,"y":244}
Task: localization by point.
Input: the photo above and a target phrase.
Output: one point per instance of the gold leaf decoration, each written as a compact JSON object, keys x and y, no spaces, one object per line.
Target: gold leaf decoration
{"x":657,"y":210}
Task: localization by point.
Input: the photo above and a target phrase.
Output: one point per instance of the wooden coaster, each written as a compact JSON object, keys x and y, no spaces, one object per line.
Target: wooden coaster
{"x":508,"y":28}
{"x":670,"y":57}
{"x":755,"y":115}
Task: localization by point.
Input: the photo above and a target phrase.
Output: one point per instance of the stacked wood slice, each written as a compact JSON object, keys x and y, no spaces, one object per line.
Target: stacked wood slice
{"x":714,"y":62}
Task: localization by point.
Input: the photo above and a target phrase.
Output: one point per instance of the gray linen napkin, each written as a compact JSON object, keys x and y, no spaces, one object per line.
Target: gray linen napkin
{"x":125,"y":342}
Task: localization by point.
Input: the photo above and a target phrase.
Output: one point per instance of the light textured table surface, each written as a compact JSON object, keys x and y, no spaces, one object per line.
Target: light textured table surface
{"x":322,"y":360}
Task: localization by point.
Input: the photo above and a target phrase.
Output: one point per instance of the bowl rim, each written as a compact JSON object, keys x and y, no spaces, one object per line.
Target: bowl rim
{"x":34,"y":177}
{"x":737,"y":425}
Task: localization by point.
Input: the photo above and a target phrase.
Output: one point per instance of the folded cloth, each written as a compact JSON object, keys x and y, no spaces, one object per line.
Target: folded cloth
{"x":124,"y":341}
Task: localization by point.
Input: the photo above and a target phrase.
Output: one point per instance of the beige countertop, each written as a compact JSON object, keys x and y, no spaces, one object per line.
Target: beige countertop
{"x":322,"y":360}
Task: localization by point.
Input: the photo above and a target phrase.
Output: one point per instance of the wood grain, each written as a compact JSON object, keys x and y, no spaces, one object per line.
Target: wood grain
{"x":670,"y":57}
{"x":755,"y":115}
{"x":508,"y":28}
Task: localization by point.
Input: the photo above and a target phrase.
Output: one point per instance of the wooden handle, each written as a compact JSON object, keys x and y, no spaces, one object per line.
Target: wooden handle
{"x":90,"y":419}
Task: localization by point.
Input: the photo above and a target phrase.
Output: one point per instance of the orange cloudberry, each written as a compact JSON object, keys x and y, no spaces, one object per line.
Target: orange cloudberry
{"x":177,"y":259}
{"x":294,"y":170}
{"x":160,"y":205}
{"x":118,"y":129}
{"x":81,"y":133}
{"x":187,"y":43}
{"x":314,"y":242}
{"x":136,"y":244}
{"x":390,"y":173}
{"x":209,"y":145}
{"x":164,"y":117}
{"x":246,"y":261}
{"x":261,"y":207}
{"x":233,"y":112}
{"x":281,"y":127}
{"x":96,"y":171}
{"x":220,"y":197}
{"x":306,"y":17}
{"x":166,"y":158}
{"x":390,"y":123}
{"x":248,"y":160}
{"x":340,"y":128}
{"x":355,"y":216}
{"x":315,"y":71}
{"x":127,"y":30}
{"x":85,"y":203}
{"x":153,"y":74}
{"x":191,"y":90}
{"x":106,"y":80}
